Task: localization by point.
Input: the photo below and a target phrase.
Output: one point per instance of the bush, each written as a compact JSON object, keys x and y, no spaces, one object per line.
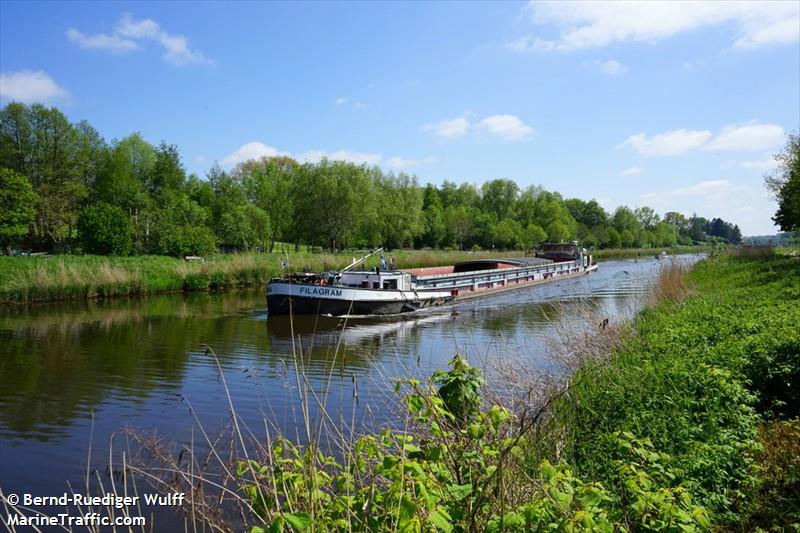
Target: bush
{"x":105,"y":229}
{"x":459,"y":472}
{"x":776,"y":503}
{"x":180,"y":241}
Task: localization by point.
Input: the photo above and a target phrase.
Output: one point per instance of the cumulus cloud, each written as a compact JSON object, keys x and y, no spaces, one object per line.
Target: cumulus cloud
{"x":633,"y":171}
{"x":257,"y":150}
{"x":449,"y":129}
{"x":759,"y":164}
{"x":530,"y":43}
{"x":591,"y":24}
{"x":707,"y":189}
{"x":31,"y":87}
{"x":673,"y":142}
{"x":750,"y":136}
{"x":102,"y":41}
{"x":508,"y":127}
{"x":355,"y":104}
{"x":612,"y":67}
{"x":359,"y":158}
{"x":128,"y":35}
{"x":251,"y":150}
{"x":401,"y":162}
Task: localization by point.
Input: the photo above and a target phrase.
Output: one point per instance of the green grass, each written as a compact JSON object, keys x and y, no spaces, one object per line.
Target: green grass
{"x":33,"y":279}
{"x":698,"y":379}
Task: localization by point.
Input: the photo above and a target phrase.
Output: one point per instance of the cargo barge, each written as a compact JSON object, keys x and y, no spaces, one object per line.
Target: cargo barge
{"x":353,"y":291}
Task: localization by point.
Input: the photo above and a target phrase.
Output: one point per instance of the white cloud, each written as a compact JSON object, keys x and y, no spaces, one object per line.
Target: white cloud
{"x":344,"y":101}
{"x":449,"y":129}
{"x":759,"y":164}
{"x":673,"y":142}
{"x":530,"y":43}
{"x":30,"y":87}
{"x":750,"y":136}
{"x":707,"y":189}
{"x":401,"y":162}
{"x":129,"y":33}
{"x":740,"y":204}
{"x":251,"y":150}
{"x":257,"y":150}
{"x":604,"y":201}
{"x":102,"y":41}
{"x":770,"y":32}
{"x":633,"y":171}
{"x":508,"y":127}
{"x":359,"y":158}
{"x":612,"y":67}
{"x":590,"y":24}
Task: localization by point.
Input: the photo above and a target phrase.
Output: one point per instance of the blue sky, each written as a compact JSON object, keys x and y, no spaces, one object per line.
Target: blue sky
{"x":679,"y":106}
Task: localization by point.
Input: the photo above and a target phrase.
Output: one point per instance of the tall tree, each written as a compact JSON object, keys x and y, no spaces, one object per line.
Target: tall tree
{"x":435,"y":229}
{"x":624,"y":219}
{"x":459,"y":224}
{"x":17,"y":207}
{"x":167,"y":175}
{"x":268,"y":182}
{"x":399,"y":214}
{"x":498,"y":197}
{"x":785,"y":184}
{"x":332,"y":201}
{"x":16,"y":138}
{"x":647,"y":217}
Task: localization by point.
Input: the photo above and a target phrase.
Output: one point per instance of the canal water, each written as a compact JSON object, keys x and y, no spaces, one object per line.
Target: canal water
{"x":73,"y":375}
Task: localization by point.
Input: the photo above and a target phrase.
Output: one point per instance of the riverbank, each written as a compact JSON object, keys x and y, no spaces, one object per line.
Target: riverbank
{"x":71,"y":278}
{"x":631,"y":253}
{"x":684,"y":419}
{"x":65,"y":278}
{"x":711,"y":384}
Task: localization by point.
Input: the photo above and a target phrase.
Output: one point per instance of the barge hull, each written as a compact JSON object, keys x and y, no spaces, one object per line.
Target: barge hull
{"x":281,"y":304}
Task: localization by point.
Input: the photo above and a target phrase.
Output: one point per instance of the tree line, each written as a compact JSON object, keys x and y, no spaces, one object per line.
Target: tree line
{"x":63,"y":188}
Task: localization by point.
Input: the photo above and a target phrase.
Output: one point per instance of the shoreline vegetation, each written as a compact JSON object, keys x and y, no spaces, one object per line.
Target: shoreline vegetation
{"x":65,"y":190}
{"x":74,"y":278}
{"x":685,"y":419}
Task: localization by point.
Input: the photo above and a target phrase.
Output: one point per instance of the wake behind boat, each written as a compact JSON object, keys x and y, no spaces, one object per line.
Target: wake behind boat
{"x":353,"y":291}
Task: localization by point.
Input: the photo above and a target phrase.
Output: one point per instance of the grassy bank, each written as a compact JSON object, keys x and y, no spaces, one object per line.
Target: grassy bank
{"x":57,"y":278}
{"x":712,"y":383}
{"x":32,"y":279}
{"x":684,"y":420}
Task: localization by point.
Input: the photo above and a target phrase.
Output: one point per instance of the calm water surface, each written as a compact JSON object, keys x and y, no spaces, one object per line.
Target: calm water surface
{"x":140,"y":363}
